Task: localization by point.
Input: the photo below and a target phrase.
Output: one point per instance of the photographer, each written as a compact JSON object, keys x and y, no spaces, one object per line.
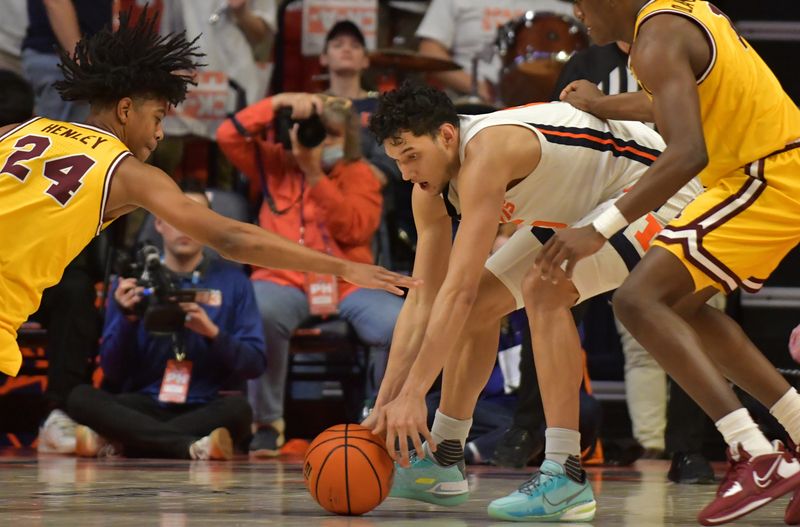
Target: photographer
{"x":326,"y":198}
{"x":171,"y":405}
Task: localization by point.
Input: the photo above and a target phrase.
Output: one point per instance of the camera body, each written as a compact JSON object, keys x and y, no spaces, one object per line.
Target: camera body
{"x":311,"y":132}
{"x":159,"y":309}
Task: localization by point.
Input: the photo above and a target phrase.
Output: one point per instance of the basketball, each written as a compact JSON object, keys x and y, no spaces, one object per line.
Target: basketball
{"x":348,"y":470}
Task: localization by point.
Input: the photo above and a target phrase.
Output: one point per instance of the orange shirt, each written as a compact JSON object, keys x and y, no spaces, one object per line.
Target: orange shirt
{"x":341,"y":212}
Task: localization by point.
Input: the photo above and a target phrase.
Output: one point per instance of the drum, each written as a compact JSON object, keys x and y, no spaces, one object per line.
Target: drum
{"x":534,"y":49}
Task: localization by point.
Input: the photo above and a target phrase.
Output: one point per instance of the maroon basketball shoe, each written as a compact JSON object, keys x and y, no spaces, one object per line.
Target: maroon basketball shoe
{"x":752,"y":482}
{"x":792,"y":516}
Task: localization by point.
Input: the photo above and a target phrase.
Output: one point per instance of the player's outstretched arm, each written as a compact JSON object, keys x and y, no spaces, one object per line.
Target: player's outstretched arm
{"x":434,"y":242}
{"x":140,"y":185}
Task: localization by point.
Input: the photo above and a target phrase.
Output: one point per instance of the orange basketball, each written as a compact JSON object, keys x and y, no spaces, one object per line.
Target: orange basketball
{"x":348,"y":470}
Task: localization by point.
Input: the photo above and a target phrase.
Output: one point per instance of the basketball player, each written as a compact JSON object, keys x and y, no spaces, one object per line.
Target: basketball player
{"x":725,"y":117}
{"x":540,"y":167}
{"x":62,"y":183}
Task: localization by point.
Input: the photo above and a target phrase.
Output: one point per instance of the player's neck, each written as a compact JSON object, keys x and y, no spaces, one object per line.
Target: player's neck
{"x":182,"y":264}
{"x":104,"y":122}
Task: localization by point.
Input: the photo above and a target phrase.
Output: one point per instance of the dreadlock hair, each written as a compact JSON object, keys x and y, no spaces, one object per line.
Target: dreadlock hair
{"x":413,"y":107}
{"x":134,"y":61}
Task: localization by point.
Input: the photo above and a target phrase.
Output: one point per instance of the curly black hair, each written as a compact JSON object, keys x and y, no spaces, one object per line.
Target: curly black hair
{"x":134,"y":61}
{"x":413,"y":107}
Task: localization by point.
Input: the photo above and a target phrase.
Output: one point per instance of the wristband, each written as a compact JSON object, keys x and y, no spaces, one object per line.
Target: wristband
{"x":610,"y":222}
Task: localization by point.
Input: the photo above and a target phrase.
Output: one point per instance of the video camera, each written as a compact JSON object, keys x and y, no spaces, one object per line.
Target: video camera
{"x":311,"y":132}
{"x":160,"y":308}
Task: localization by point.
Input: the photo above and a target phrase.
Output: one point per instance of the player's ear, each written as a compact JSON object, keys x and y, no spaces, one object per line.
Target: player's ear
{"x":124,"y":109}
{"x":159,"y":226}
{"x":448,"y":133}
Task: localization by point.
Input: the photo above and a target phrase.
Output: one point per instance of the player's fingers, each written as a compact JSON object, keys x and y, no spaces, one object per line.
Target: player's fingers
{"x":570,"y":266}
{"x":542,"y":254}
{"x":391,"y":439}
{"x":546,"y":258}
{"x":380,"y":425}
{"x":555,"y":264}
{"x":390,"y":287}
{"x":415,"y":440}
{"x":403,"y":437}
{"x":429,"y":438}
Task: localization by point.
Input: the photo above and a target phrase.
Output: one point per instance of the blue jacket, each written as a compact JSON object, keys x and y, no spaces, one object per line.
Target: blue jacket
{"x":134,"y":360}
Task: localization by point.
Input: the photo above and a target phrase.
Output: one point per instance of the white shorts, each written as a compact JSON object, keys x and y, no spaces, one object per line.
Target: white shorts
{"x":603,"y":271}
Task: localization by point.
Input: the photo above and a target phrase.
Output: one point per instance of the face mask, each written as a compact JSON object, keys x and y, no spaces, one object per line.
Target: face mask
{"x":331,"y":155}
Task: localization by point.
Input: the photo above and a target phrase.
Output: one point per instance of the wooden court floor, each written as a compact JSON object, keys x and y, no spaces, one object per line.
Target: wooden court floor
{"x":49,"y":490}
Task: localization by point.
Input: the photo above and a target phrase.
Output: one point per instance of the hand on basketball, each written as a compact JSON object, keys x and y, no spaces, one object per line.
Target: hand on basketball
{"x":567,"y":245}
{"x":407,"y":417}
{"x":376,"y":420}
{"x":376,"y":277}
{"x":581,"y":94}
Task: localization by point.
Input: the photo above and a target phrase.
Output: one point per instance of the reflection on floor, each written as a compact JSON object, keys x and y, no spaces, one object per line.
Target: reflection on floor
{"x":64,"y":491}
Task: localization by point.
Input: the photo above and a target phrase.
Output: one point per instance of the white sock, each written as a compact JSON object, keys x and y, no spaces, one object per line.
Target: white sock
{"x":560,"y":443}
{"x":445,"y":427}
{"x":738,"y":428}
{"x":450,"y":435}
{"x":787,"y":412}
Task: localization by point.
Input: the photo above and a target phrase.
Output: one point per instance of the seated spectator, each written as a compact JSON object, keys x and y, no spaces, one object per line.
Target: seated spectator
{"x":171,"y":404}
{"x":326,"y":197}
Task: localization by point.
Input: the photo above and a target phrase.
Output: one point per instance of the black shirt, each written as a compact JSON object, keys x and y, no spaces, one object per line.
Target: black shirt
{"x":605,"y":65}
{"x":93,"y":15}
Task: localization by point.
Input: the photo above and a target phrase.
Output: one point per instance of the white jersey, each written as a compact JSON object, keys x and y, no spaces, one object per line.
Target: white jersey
{"x":585,"y":161}
{"x":585,"y":166}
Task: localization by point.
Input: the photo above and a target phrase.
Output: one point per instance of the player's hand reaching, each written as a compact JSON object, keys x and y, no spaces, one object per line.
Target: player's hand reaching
{"x":581,"y":94}
{"x":407,"y":417}
{"x":567,"y":245}
{"x":376,"y":277}
{"x":376,"y":420}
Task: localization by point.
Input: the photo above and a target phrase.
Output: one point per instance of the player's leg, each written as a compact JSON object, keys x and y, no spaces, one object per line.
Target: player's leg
{"x":739,"y":360}
{"x":654,"y":304}
{"x":645,"y":305}
{"x":440,"y":477}
{"x":560,"y":490}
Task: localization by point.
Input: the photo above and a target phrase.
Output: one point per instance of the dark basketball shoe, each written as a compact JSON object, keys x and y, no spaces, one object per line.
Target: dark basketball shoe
{"x":750,"y":483}
{"x":690,"y":469}
{"x":516,"y":448}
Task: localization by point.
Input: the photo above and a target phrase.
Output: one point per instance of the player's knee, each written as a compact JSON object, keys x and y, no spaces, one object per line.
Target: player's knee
{"x":627,"y":304}
{"x":545,"y":295}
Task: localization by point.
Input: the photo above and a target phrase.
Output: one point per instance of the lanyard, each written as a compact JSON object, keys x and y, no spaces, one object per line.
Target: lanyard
{"x":268,"y":196}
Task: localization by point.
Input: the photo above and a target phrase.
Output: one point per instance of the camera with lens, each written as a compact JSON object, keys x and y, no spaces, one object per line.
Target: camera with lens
{"x":311,"y":132}
{"x":159,"y":309}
